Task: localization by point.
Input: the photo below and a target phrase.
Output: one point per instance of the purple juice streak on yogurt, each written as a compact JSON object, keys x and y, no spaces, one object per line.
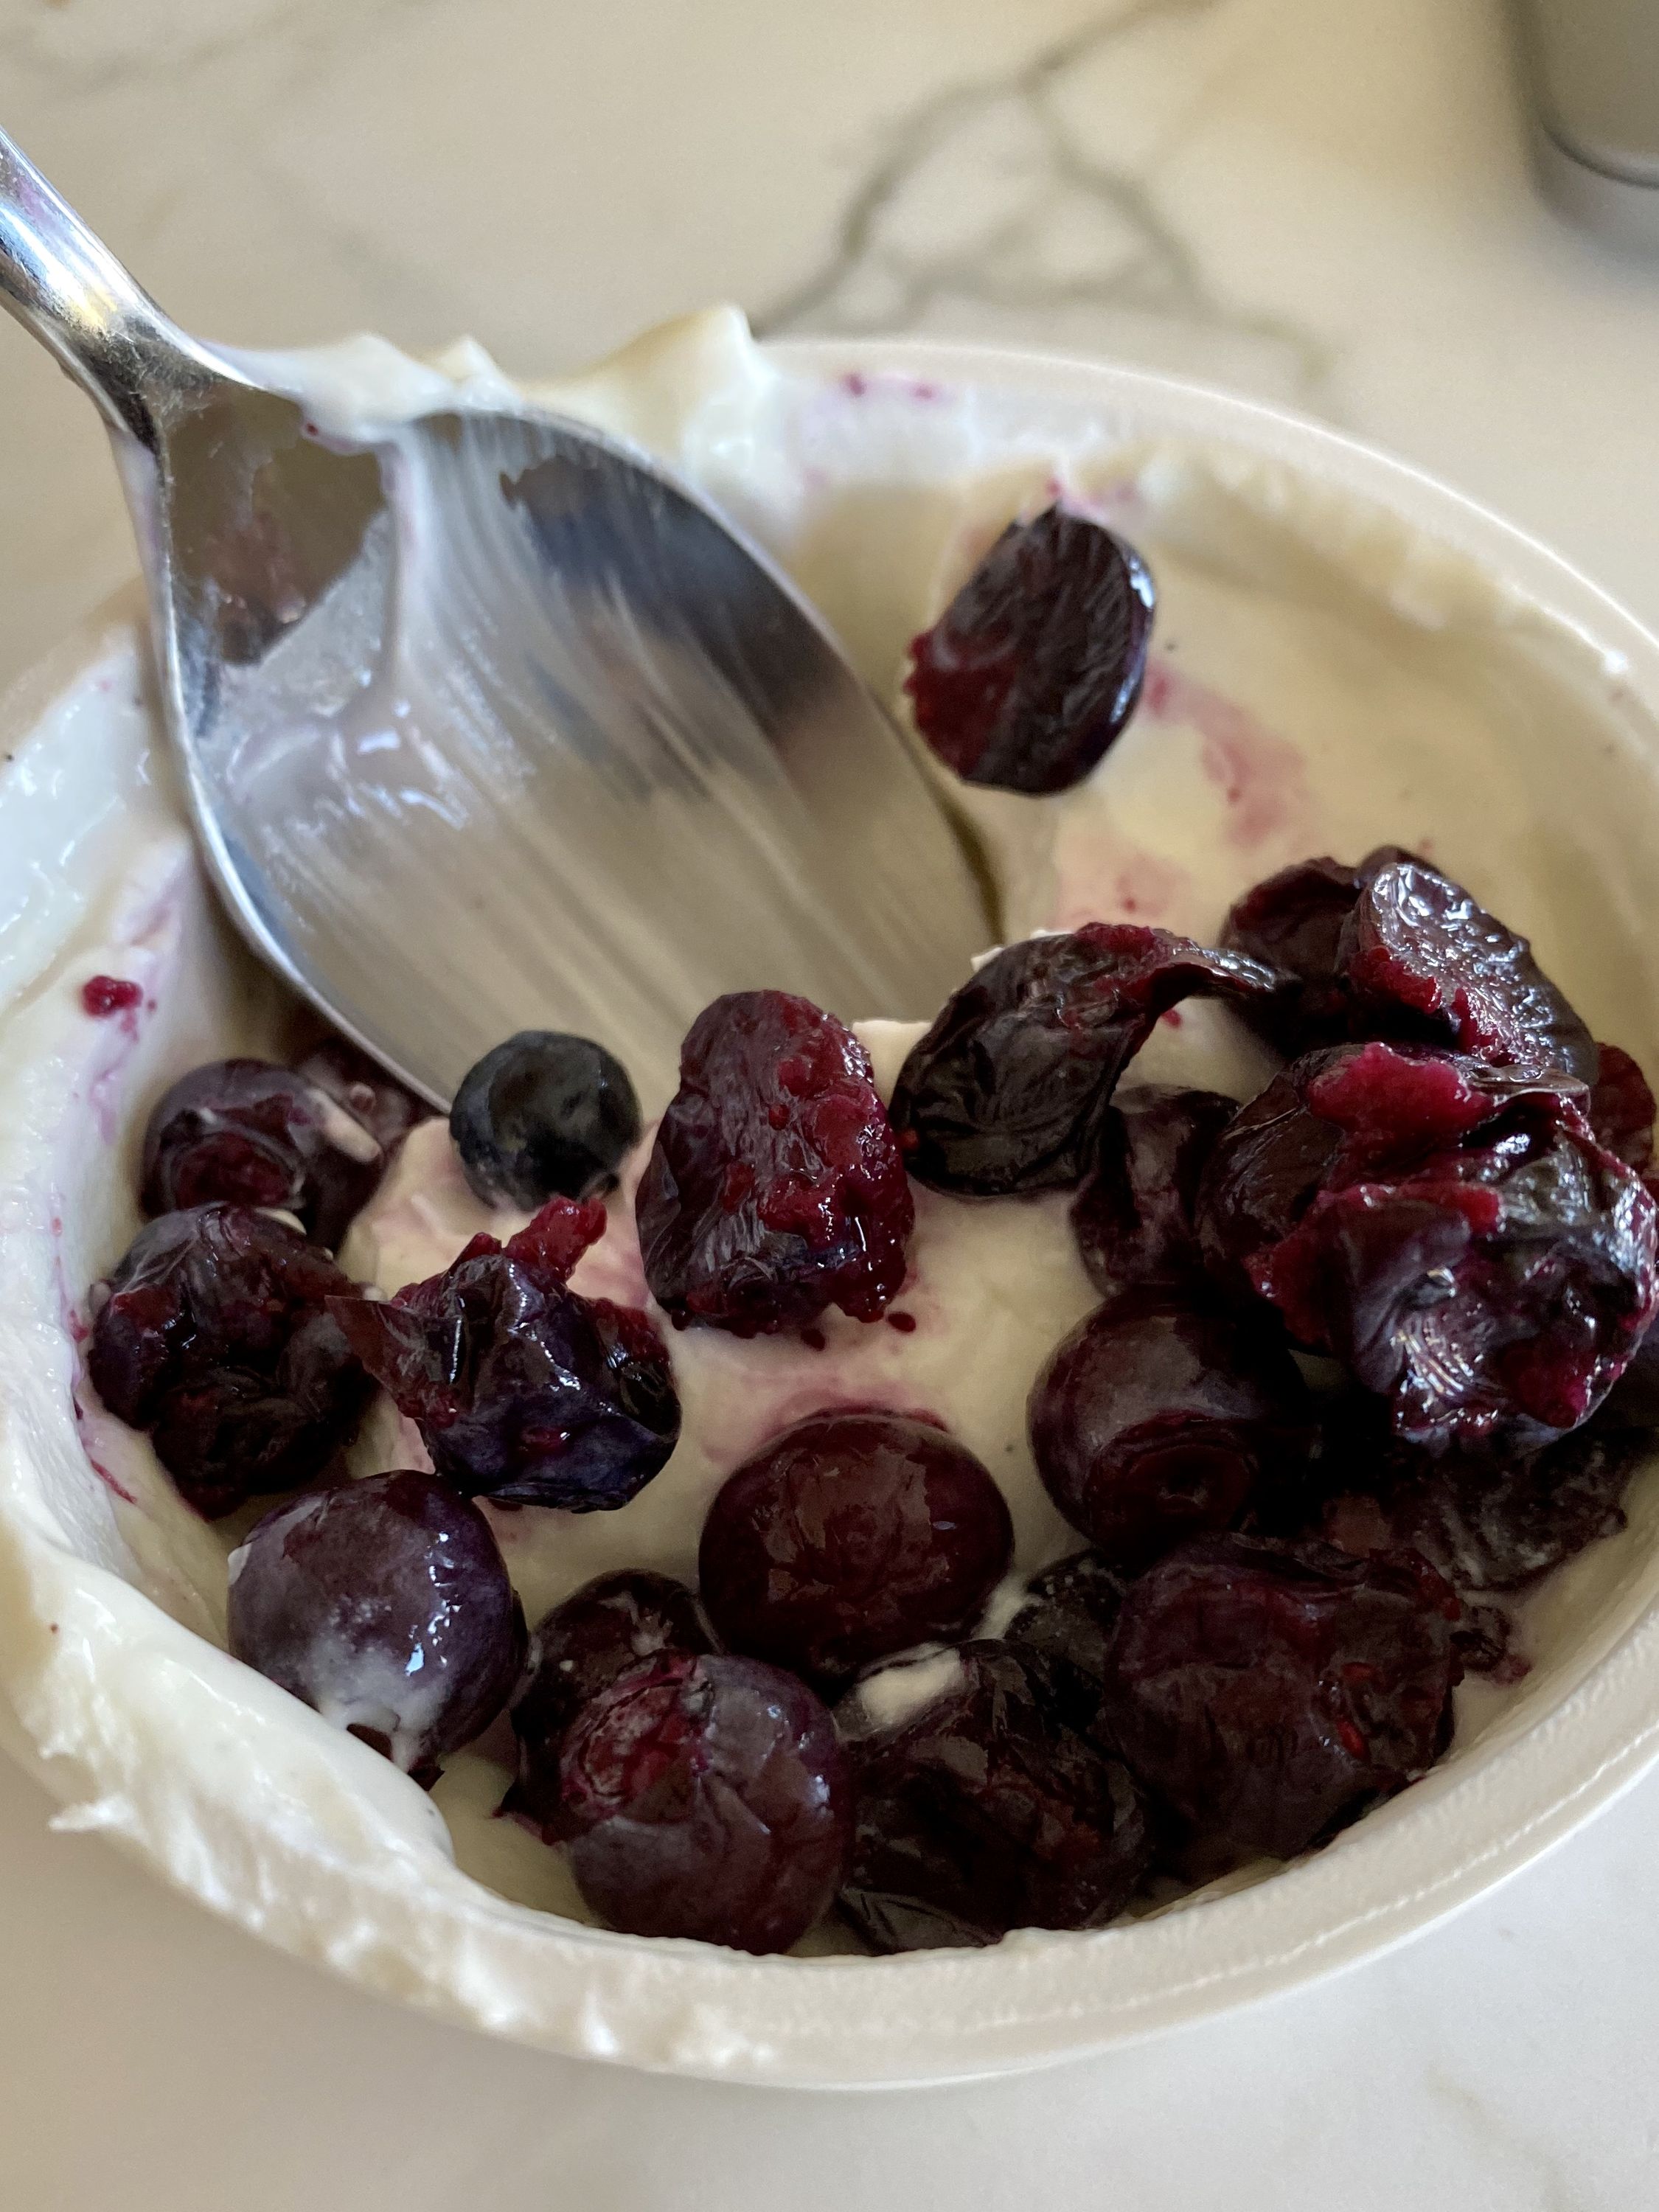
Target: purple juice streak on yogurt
{"x":105,"y":1477}
{"x":1259,"y":773}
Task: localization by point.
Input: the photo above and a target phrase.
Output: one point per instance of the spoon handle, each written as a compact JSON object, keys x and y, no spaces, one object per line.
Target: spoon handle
{"x":63,"y":283}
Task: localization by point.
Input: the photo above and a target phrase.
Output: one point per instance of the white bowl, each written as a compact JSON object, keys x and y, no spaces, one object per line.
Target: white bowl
{"x":231,"y":1791}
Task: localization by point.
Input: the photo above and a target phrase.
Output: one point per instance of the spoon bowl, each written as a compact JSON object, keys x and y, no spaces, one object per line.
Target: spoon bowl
{"x":488,"y":723}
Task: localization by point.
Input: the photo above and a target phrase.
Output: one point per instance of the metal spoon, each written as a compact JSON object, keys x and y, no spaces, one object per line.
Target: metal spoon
{"x":487,"y":722}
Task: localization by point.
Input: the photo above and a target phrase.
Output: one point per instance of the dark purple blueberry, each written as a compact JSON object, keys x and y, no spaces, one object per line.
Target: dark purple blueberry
{"x":1420,"y":958}
{"x":544,"y":1116}
{"x":234,"y":1434}
{"x":1455,"y":1236}
{"x":1269,"y":1692}
{"x":774,"y":1188}
{"x":385,"y":1606}
{"x":851,"y":1536}
{"x":362,"y":1086}
{"x":1381,"y":1108}
{"x":1160,"y":1417}
{"x":524,"y":1391}
{"x":1133,"y":1216}
{"x":1293,"y":922}
{"x":212,"y":1332}
{"x":1621,"y":1108}
{"x":1063,"y":1632}
{"x":1393,"y":949}
{"x":599,"y":1631}
{"x":707,"y":1797}
{"x":1009,"y":1089}
{"x":1485,"y":1523}
{"x":1483,"y":1643}
{"x":1036,"y":665}
{"x":1634,"y":1401}
{"x":982,"y":1813}
{"x":252,"y":1135}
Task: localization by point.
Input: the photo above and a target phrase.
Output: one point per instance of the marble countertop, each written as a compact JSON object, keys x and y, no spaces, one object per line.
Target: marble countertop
{"x":1323,"y":204}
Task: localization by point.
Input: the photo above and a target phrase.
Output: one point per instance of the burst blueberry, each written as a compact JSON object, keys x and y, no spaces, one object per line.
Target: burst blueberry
{"x":1009,"y":1089}
{"x":774,"y":1188}
{"x":523,"y":1390}
{"x":615,"y":1622}
{"x":213,"y":1333}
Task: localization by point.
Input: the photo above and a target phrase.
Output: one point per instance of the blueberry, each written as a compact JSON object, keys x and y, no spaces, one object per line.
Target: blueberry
{"x":1034,"y":667}
{"x":774,"y":1188}
{"x":1161,"y":1417}
{"x":385,"y":1606}
{"x":210,"y":1331}
{"x":707,"y":1797}
{"x":249,"y":1133}
{"x":1266,"y":1692}
{"x":524,"y":1391}
{"x":1452,"y":1232}
{"x":1008,"y":1090}
{"x":850,"y":1536}
{"x":983,"y":1813}
{"x":615,"y":1622}
{"x":544,"y":1116}
{"x":1062,"y":1633}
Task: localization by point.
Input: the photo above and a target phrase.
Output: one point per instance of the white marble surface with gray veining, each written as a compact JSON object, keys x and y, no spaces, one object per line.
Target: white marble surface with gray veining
{"x":1320,"y":201}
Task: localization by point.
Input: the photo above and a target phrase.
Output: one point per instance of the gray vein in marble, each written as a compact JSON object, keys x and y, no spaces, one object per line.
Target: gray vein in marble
{"x":1544,"y":2172}
{"x":1006,"y":144}
{"x":304,"y":34}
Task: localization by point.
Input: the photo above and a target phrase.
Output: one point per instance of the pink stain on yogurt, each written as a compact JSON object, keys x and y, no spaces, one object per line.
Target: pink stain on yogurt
{"x":1104,"y":877}
{"x":857,"y":384}
{"x":1113,"y":501}
{"x":1259,"y":773}
{"x":91,"y":1421}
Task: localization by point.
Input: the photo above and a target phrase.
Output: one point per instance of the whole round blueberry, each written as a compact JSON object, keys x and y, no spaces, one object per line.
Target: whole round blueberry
{"x":544,"y":1116}
{"x":1160,"y":1418}
{"x":615,"y":1622}
{"x":708,"y":1797}
{"x":850,"y":1536}
{"x":385,"y":1606}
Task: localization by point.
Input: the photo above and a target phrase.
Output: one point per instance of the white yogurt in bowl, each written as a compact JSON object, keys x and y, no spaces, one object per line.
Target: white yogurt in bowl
{"x":1346,"y":655}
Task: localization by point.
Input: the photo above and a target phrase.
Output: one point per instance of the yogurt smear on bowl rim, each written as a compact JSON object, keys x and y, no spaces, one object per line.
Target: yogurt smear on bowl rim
{"x":1331,"y":670}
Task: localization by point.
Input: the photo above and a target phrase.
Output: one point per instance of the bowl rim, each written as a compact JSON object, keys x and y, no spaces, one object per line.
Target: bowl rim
{"x":1040,"y":1998}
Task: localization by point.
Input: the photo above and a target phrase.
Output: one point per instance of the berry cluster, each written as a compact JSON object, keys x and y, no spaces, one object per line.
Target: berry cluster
{"x":1440,"y":1194}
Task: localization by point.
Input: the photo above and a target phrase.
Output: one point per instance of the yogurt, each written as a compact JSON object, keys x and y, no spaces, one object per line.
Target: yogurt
{"x":1324,"y":678}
